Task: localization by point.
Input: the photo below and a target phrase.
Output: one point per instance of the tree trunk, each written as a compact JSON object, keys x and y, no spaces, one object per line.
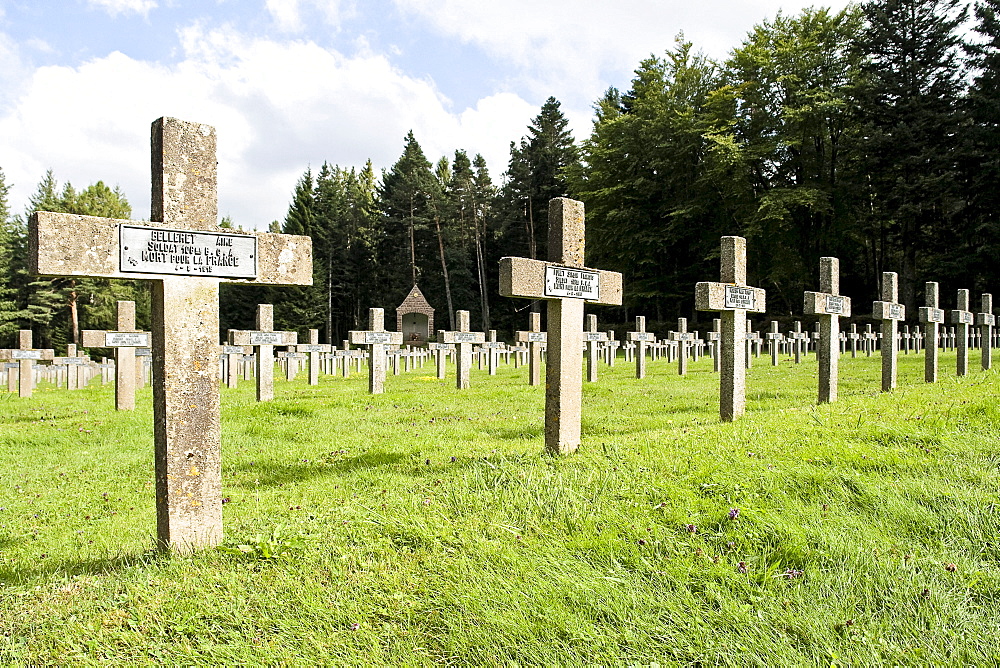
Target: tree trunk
{"x":447,"y":281}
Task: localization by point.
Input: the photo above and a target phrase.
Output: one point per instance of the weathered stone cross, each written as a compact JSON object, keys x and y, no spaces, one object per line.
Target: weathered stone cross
{"x":640,"y":337}
{"x":774,"y":338}
{"x":734,"y":298}
{"x":932,"y":317}
{"x":124,"y":341}
{"x":25,"y":356}
{"x":313,"y":349}
{"x":963,"y":319}
{"x":985,"y":320}
{"x":682,"y":336}
{"x":890,"y":312}
{"x":567,"y":285}
{"x":264,"y":339}
{"x":534,"y":337}
{"x":376,"y":339}
{"x":830,"y":306}
{"x":463,"y":339}
{"x":592,"y":338}
{"x":186,"y":255}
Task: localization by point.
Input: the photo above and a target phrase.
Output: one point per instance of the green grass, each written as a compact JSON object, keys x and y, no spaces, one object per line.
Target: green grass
{"x":426,"y":526}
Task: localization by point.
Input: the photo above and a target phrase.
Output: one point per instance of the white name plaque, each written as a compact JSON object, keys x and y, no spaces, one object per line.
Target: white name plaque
{"x":157,"y":250}
{"x":740,"y":298}
{"x":26,"y":354}
{"x":376,"y":338}
{"x":126,"y":340}
{"x":266,"y":338}
{"x":570,"y":282}
{"x":834,"y":304}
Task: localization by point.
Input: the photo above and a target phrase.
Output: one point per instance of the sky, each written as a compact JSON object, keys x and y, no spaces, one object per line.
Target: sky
{"x":291,"y":84}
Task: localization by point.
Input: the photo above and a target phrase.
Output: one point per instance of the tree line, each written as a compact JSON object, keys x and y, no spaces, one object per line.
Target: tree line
{"x":869,"y":134}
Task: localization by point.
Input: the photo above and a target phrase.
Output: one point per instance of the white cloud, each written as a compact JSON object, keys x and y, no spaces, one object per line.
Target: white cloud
{"x":287,"y":14}
{"x":572,"y":45}
{"x":116,"y":7}
{"x":277,"y":107}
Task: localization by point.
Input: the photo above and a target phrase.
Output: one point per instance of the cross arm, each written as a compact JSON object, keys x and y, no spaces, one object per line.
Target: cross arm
{"x":63,"y":244}
{"x":99,"y":338}
{"x":242,"y":337}
{"x":824,"y":303}
{"x":524,"y":277}
{"x":531,"y":337}
{"x":363,"y":338}
{"x":888,"y":311}
{"x":464,"y":337}
{"x":17,"y":354}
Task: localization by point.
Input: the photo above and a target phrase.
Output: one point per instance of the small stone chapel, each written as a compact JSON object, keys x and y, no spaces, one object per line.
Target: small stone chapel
{"x":415,"y":318}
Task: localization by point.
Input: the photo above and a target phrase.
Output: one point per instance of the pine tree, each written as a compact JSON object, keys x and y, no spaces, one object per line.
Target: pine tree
{"x":406,"y":247}
{"x":913,"y":121}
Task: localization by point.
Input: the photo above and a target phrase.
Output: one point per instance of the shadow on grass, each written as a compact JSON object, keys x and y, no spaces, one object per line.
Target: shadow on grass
{"x":66,"y":567}
{"x":273,"y":474}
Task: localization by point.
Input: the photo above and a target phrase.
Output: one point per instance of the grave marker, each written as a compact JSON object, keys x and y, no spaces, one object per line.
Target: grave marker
{"x":963,"y":319}
{"x":186,"y":256}
{"x":932,"y":317}
{"x":264,"y":339}
{"x":567,"y":285}
{"x":830,"y":306}
{"x":463,"y":340}
{"x":890,"y":312}
{"x":640,"y":337}
{"x":733,"y":297}
{"x":535,"y":338}
{"x":124,"y":341}
{"x":682,"y":336}
{"x":592,"y":338}
{"x":313,"y":350}
{"x":25,"y":357}
{"x":376,"y":339}
{"x":986,"y":321}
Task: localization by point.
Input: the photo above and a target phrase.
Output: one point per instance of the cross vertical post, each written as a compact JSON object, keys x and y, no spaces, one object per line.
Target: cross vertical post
{"x":593,"y":338}
{"x":640,"y":337}
{"x":463,"y":340}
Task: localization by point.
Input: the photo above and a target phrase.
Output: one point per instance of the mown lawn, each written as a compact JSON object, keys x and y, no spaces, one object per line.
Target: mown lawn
{"x":427,"y":526}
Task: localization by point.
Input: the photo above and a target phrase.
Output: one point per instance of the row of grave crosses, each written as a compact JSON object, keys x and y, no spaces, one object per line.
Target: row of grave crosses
{"x":185,"y":255}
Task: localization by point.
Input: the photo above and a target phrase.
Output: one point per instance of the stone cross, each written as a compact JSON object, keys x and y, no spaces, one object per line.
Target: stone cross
{"x":25,"y":356}
{"x":932,"y":317}
{"x":376,"y":339}
{"x":986,"y":321}
{"x":264,"y":339}
{"x":464,"y":340}
{"x":853,"y":337}
{"x":534,"y":337}
{"x":774,"y":336}
{"x":592,"y":338}
{"x":492,"y":348}
{"x":734,"y":298}
{"x":441,"y":351}
{"x":313,"y":349}
{"x":963,"y":319}
{"x":715,"y":343}
{"x":890,"y":312}
{"x":641,"y":337}
{"x":830,"y":306}
{"x":234,"y":358}
{"x":567,"y":285}
{"x":124,"y":341}
{"x":682,"y":336}
{"x":798,"y":340}
{"x":186,"y":255}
